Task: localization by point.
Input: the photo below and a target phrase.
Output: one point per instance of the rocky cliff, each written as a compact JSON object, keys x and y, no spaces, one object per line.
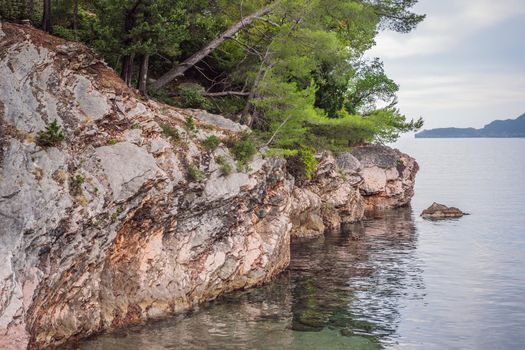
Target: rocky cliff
{"x":112,"y":227}
{"x":344,"y":189}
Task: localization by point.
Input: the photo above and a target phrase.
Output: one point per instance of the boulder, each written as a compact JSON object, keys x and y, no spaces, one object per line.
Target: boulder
{"x":344,"y":189}
{"x":306,"y":214}
{"x":388,"y":176}
{"x":440,"y":211}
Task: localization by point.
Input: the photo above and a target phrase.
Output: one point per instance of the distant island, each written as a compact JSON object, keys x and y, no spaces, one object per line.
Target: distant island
{"x":498,"y":128}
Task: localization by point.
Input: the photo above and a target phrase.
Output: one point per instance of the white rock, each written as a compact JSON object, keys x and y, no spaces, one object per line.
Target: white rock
{"x":127,"y":167}
{"x":91,"y":102}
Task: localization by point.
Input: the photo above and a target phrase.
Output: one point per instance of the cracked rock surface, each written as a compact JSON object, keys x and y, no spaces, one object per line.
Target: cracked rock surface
{"x":107,"y":228}
{"x":347,"y":188}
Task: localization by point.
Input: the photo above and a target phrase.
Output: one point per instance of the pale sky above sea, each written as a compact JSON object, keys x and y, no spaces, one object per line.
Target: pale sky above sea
{"x":464,"y":66}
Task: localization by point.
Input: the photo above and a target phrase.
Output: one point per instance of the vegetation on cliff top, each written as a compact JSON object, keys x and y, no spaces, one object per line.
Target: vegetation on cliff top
{"x":293,"y":70}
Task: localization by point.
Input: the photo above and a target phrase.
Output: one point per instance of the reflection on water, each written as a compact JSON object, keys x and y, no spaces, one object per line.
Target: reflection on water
{"x":457,"y":284}
{"x":341,"y":291}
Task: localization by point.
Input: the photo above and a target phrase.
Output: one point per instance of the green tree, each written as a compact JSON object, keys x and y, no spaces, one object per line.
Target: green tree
{"x":369,"y":86}
{"x":293,"y":70}
{"x":138,"y":28}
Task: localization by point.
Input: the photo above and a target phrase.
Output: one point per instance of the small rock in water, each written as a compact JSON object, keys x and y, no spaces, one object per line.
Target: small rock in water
{"x":440,"y":211}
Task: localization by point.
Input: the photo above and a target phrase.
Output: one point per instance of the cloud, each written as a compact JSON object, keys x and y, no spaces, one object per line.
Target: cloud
{"x":466,"y":90}
{"x":446,"y":26}
{"x":461,"y":67}
{"x":462,"y":99}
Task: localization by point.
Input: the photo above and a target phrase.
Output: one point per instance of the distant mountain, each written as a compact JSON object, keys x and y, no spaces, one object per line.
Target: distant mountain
{"x":498,"y":128}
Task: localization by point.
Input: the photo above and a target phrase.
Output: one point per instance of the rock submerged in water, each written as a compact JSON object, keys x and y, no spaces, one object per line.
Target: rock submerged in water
{"x":440,"y":211}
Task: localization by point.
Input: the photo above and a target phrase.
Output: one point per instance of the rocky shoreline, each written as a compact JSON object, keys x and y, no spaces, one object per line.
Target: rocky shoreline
{"x":108,"y":229}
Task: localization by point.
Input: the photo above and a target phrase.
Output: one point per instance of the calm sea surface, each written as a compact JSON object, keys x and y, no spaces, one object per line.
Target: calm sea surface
{"x":406,"y":283}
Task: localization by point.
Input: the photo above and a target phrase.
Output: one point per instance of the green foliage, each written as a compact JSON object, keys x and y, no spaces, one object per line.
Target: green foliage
{"x":211,"y":143}
{"x":116,"y":213}
{"x":307,"y":158}
{"x":189,"y":124}
{"x":224,"y":166}
{"x":135,"y":126}
{"x":369,"y":86}
{"x":65,"y":33}
{"x":163,"y":97}
{"x":170,"y":132}
{"x":243,"y":150}
{"x":285,"y":107}
{"x":112,"y":141}
{"x":302,"y":65}
{"x":395,"y":15}
{"x":15,"y":10}
{"x":280,"y":152}
{"x":301,"y":162}
{"x":316,"y":72}
{"x":191,"y":97}
{"x":76,"y":184}
{"x":195,"y":173}
{"x":227,"y":106}
{"x":339,"y":134}
{"x":138,"y":27}
{"x":51,"y":136}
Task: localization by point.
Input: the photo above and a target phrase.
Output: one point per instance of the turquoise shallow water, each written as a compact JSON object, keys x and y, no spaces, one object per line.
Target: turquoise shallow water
{"x":406,"y":283}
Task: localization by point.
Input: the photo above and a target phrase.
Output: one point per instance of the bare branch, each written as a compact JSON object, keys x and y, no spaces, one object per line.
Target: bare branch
{"x":225,"y":93}
{"x":181,"y":68}
{"x":268,"y":21}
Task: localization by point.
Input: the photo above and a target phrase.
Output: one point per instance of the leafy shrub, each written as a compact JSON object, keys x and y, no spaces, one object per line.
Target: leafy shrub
{"x":135,"y":126}
{"x":191,"y":97}
{"x":76,"y":184}
{"x":224,"y":165}
{"x":339,"y":134}
{"x":227,"y":106}
{"x":309,"y":162}
{"x":116,"y":213}
{"x":65,"y":33}
{"x":301,"y":163}
{"x":51,"y":136}
{"x":280,"y":152}
{"x":243,"y":150}
{"x":189,"y":124}
{"x":195,"y":173}
{"x":112,"y":141}
{"x":162,"y":96}
{"x":170,"y":132}
{"x":211,"y":143}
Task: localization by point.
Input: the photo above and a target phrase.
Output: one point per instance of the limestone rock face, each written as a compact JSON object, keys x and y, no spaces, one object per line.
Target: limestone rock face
{"x":440,"y":211}
{"x":306,"y":216}
{"x":388,"y":176}
{"x":337,"y":189}
{"x":345,"y":188}
{"x":106,"y":228}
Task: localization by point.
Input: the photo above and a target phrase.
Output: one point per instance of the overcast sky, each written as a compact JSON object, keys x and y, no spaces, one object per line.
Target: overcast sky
{"x":463,"y":66}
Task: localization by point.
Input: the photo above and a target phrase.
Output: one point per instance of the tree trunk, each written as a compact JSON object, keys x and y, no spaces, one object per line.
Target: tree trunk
{"x":75,"y":16}
{"x":129,"y":71}
{"x":30,"y":10}
{"x":46,"y":17}
{"x":143,"y":75}
{"x":127,"y":68}
{"x":124,"y":69}
{"x":127,"y":61}
{"x":246,"y":110}
{"x":181,"y":68}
